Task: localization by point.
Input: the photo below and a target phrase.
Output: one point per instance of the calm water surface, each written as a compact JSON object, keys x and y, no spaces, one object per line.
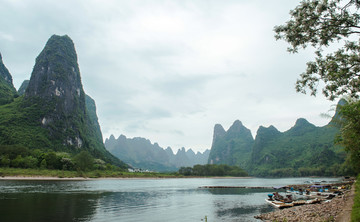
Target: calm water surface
{"x":136,"y":199}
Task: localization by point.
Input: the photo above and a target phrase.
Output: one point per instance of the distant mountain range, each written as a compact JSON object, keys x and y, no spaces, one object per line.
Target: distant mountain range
{"x":303,"y":150}
{"x":141,"y":153}
{"x":52,"y":112}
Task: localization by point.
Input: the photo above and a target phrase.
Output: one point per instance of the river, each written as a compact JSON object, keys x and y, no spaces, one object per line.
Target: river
{"x":134,"y":200}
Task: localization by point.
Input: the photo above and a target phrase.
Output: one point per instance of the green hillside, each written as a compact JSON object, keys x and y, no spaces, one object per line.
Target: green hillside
{"x":52,"y":114}
{"x":7,"y":90}
{"x":304,"y":150}
{"x":232,"y":147}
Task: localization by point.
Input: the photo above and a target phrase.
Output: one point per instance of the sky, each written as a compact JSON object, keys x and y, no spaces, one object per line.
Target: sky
{"x":169,"y":71}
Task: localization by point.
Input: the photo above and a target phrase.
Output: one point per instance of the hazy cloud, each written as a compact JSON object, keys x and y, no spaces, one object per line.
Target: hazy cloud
{"x":170,"y":70}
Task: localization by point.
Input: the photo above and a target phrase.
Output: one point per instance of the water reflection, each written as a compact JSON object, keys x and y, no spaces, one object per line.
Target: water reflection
{"x":237,"y":191}
{"x":134,"y":200}
{"x":239,"y":204}
{"x":48,"y":206}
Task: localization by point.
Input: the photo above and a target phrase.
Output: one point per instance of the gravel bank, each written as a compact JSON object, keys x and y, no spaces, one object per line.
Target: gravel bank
{"x":326,"y":211}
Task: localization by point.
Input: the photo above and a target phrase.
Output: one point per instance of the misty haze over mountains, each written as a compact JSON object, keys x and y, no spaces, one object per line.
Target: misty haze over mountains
{"x":141,"y":153}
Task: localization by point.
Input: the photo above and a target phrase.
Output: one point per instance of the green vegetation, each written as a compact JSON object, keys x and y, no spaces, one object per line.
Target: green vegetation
{"x":213,"y":170}
{"x":17,"y":156}
{"x":355,"y":214}
{"x":304,"y":150}
{"x":108,"y":173}
{"x":7,"y":93}
{"x":7,"y":90}
{"x":18,"y":124}
{"x":350,"y":133}
{"x":53,"y":113}
{"x":318,"y":24}
{"x":232,"y":147}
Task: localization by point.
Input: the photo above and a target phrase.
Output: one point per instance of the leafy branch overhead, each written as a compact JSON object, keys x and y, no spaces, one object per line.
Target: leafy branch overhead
{"x":320,"y":23}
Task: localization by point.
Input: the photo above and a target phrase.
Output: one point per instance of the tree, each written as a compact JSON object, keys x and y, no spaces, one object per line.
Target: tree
{"x":320,"y":23}
{"x":52,"y":161}
{"x":350,"y":133}
{"x":84,"y":161}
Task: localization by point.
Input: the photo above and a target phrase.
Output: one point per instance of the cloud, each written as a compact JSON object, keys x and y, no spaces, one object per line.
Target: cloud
{"x":170,"y":70}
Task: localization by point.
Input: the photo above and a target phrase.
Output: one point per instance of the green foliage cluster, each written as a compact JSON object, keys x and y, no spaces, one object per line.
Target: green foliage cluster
{"x":20,"y":124}
{"x":355,"y":214}
{"x":319,"y":23}
{"x":304,"y":150}
{"x":350,"y":133}
{"x":333,"y":170}
{"x":17,"y":156}
{"x":7,"y":93}
{"x":7,"y":90}
{"x":213,"y":170}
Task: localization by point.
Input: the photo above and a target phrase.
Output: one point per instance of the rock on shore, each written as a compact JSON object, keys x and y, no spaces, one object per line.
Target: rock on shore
{"x":326,"y":211}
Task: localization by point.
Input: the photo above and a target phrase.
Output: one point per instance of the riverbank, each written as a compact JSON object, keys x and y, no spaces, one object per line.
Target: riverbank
{"x":338,"y":209}
{"x":42,"y":178}
{"x":47,"y":174}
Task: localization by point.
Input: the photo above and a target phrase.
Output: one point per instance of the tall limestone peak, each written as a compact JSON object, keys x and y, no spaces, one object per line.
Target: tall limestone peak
{"x":56,"y":74}
{"x":53,"y":113}
{"x":337,"y":119}
{"x":238,"y":129}
{"x":231,"y":147}
{"x":56,"y":81}
{"x":169,"y":151}
{"x":219,"y":131}
{"x":111,"y":138}
{"x":5,"y":74}
{"x":7,"y":89}
{"x":91,"y":110}
{"x":236,"y":126}
{"x":302,"y":122}
{"x":301,"y":126}
{"x":23,"y":87}
{"x":267,"y":132}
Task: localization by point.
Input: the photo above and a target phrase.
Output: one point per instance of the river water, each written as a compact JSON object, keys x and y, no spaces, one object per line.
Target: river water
{"x":137,"y":199}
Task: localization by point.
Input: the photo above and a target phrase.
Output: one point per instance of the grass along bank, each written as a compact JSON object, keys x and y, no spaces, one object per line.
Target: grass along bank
{"x":19,"y":172}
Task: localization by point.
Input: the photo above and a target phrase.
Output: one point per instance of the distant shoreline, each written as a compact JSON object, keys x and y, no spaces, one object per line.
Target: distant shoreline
{"x":49,"y":178}
{"x":42,"y":178}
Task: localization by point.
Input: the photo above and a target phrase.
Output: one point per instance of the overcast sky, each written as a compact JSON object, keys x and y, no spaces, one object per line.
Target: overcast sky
{"x":169,"y":71}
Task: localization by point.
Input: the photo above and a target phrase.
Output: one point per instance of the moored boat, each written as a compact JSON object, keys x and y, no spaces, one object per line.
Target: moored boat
{"x":279,"y":204}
